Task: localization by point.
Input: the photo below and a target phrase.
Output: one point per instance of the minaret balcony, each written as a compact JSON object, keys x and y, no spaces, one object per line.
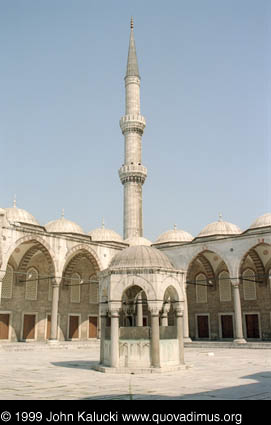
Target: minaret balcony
{"x":133,"y":173}
{"x":132,"y":123}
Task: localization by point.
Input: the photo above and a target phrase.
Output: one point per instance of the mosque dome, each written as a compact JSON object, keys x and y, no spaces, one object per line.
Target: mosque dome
{"x":262,"y":221}
{"x":105,"y":235}
{"x":15,"y":214}
{"x":219,"y":228}
{"x":140,"y":256}
{"x":62,"y":225}
{"x":138,"y":240}
{"x":174,"y":235}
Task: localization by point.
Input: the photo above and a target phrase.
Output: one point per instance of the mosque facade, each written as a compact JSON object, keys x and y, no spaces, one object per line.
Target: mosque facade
{"x":58,"y":283}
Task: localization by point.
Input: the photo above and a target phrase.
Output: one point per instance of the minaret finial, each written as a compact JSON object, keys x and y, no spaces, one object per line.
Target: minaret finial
{"x":132,"y":23}
{"x":62,"y":213}
{"x":14,"y":201}
{"x":220,"y":217}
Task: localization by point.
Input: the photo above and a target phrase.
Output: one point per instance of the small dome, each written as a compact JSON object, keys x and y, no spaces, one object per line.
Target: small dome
{"x":62,"y":225}
{"x":219,"y":228}
{"x":105,"y":235}
{"x":262,"y":221}
{"x":138,"y":240}
{"x":15,"y":214}
{"x":140,"y":256}
{"x":174,"y":235}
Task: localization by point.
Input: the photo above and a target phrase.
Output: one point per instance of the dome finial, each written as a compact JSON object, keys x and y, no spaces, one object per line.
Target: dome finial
{"x":132,"y":23}
{"x":175,"y":227}
{"x":14,"y":201}
{"x":62,"y":213}
{"x":220,"y":217}
{"x":103,"y":223}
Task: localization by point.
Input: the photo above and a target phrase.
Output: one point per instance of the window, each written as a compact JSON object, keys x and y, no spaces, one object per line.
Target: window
{"x":31,"y":285}
{"x":249,"y":286}
{"x":75,"y":288}
{"x":224,"y":286}
{"x":93,"y":291}
{"x":201,"y":288}
{"x":7,"y":283}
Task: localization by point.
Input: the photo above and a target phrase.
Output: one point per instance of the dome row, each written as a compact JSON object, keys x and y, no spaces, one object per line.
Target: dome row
{"x":62,"y":225}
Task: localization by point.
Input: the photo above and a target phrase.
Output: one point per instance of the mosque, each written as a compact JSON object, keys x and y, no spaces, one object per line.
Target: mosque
{"x":58,"y":283}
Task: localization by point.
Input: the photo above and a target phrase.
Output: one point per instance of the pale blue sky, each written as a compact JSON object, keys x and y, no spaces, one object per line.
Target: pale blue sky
{"x":205,"y":91}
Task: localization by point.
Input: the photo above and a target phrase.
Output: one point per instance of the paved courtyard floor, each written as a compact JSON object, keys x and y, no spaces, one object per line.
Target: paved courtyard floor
{"x":66,"y":374}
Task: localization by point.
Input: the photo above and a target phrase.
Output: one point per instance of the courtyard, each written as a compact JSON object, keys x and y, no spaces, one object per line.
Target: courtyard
{"x":65,"y":372}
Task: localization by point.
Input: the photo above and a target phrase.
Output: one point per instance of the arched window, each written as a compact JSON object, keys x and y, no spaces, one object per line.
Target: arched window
{"x":249,"y":286}
{"x":75,"y":288}
{"x":201,"y":288}
{"x":93,"y":290}
{"x":31,"y":285}
{"x":224,"y":286}
{"x":7,"y":283}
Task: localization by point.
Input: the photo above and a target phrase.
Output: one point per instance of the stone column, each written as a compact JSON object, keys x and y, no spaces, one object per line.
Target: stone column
{"x":185,"y":314}
{"x":103,"y":317}
{"x":2,"y":275}
{"x":239,"y":336}
{"x":114,"y":338}
{"x":180,"y":334}
{"x":155,"y":338}
{"x":139,"y":310}
{"x":164,"y":316}
{"x":54,"y":311}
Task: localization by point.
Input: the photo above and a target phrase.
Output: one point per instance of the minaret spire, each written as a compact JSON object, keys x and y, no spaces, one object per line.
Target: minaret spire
{"x":132,"y":65}
{"x":132,"y":173}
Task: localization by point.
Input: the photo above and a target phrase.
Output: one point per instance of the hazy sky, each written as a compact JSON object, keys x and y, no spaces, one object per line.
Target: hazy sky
{"x":205,"y":93}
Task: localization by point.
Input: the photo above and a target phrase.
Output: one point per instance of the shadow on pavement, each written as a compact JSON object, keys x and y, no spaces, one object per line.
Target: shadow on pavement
{"x":77,"y":364}
{"x":260,"y":390}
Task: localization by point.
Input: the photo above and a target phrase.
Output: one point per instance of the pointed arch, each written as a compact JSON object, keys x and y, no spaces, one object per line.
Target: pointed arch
{"x":260,"y":269}
{"x":78,"y":252}
{"x":39,"y":244}
{"x":131,"y":280}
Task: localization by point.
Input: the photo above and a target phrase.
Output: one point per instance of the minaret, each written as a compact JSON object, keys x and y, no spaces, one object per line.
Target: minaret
{"x":132,"y":173}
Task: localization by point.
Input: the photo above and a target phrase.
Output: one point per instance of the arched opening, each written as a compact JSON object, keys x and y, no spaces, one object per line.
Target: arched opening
{"x":254,"y":274}
{"x":30,"y":269}
{"x":79,"y":302}
{"x":209,"y":298}
{"x":134,"y":310}
{"x":167,"y":315}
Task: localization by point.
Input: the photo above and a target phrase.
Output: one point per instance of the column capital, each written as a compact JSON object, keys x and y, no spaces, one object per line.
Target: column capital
{"x":178,"y":307}
{"x":114,"y":308}
{"x":55,"y":281}
{"x":155,"y":307}
{"x":155,"y":311}
{"x":236,"y":283}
